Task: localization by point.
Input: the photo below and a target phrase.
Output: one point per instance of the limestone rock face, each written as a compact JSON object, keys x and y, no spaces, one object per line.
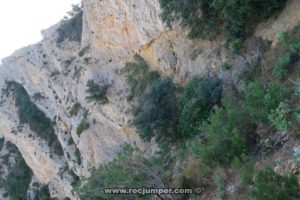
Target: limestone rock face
{"x":113,"y":31}
{"x":120,"y":27}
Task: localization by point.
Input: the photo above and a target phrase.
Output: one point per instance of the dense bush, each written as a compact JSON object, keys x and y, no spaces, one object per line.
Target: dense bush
{"x":78,"y":156}
{"x":75,"y":109}
{"x":226,"y":66}
{"x":19,"y":177}
{"x":195,"y":174}
{"x":245,"y":168}
{"x":282,"y":118}
{"x":200,"y":95}
{"x":30,"y":114}
{"x":125,"y":171}
{"x":96,"y":92}
{"x":157,"y":114}
{"x":260,"y":101}
{"x":139,"y":76}
{"x":227,"y":135}
{"x":290,"y":45}
{"x":291,"y":40}
{"x":84,"y":125}
{"x":207,"y":18}
{"x":71,"y":29}
{"x":2,"y":140}
{"x":272,"y":186}
{"x":42,"y":193}
{"x":281,"y":68}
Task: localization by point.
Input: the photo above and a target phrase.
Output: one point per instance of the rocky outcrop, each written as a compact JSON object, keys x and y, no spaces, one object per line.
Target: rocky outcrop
{"x":113,"y":31}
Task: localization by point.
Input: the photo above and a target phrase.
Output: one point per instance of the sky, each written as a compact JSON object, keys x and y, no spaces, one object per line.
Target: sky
{"x":21,"y":21}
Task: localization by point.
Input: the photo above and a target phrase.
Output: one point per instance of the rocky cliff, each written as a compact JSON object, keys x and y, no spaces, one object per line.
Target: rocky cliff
{"x":113,"y":31}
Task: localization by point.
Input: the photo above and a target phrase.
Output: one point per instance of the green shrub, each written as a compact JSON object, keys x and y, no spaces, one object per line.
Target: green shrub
{"x":75,"y":109}
{"x":125,"y":171}
{"x":75,"y":179}
{"x":272,"y":186}
{"x":42,"y":193}
{"x":220,"y":186}
{"x":234,"y":45}
{"x":282,"y":66}
{"x":71,"y":29}
{"x":228,"y":134}
{"x":157,"y":110}
{"x":78,"y":156}
{"x":225,"y":66}
{"x":84,"y":125}
{"x":260,"y":101}
{"x":291,"y":39}
{"x":195,"y":173}
{"x":139,"y":77}
{"x":281,"y":117}
{"x":290,"y":43}
{"x":208,"y":18}
{"x":297,"y":88}
{"x":96,"y":92}
{"x":30,"y":114}
{"x":2,"y":141}
{"x":200,"y":95}
{"x":70,"y":141}
{"x":133,"y":83}
{"x":38,"y":96}
{"x":245,"y":168}
{"x":19,"y":177}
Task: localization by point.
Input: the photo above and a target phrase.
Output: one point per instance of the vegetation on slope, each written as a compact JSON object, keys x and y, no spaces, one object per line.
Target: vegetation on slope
{"x":125,"y":171}
{"x":30,"y":114}
{"x":272,"y":186}
{"x":97,"y":93}
{"x":71,"y":29}
{"x":212,"y":138}
{"x":210,"y":18}
{"x":18,"y":180}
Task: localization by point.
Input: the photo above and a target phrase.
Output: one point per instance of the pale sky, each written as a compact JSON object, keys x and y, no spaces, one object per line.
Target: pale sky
{"x":21,"y":21}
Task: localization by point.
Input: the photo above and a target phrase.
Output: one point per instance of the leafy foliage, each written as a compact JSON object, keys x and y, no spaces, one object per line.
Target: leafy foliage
{"x":225,"y":66}
{"x":2,"y":141}
{"x":207,"y":18}
{"x":260,"y":101}
{"x":200,"y":95}
{"x":291,"y":40}
{"x":75,"y":109}
{"x":281,"y":117}
{"x":221,"y":187}
{"x":125,"y":171}
{"x":71,"y":29}
{"x":272,"y":186}
{"x":189,"y":14}
{"x":19,"y":177}
{"x":84,"y":125}
{"x":157,"y":114}
{"x":228,"y":135}
{"x":42,"y":193}
{"x":78,"y":156}
{"x":139,"y":76}
{"x":245,"y":169}
{"x":282,"y":65}
{"x":290,"y":44}
{"x":96,"y":92}
{"x":71,"y":141}
{"x":30,"y":114}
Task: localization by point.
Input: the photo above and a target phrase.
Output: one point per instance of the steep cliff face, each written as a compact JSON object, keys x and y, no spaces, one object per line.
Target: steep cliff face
{"x":113,"y":31}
